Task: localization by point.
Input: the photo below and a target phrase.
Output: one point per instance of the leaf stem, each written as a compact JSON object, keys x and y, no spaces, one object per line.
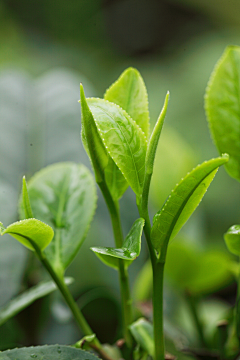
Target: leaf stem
{"x":126,"y":300}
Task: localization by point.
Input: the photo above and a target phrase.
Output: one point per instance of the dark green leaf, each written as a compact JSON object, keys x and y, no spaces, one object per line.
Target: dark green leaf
{"x":28,"y":297}
{"x":129,"y":251}
{"x":64,"y":196}
{"x":182,"y":202}
{"x":123,"y":139}
{"x":30,"y":232}
{"x":51,"y":352}
{"x":142,"y":331}
{"x":232,"y":239}
{"x":129,"y":92}
{"x":223,"y":107}
{"x":25,"y":201}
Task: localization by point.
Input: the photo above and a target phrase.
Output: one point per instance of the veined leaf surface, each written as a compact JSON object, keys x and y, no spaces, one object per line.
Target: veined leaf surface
{"x":182,"y":202}
{"x":129,"y":92}
{"x":23,"y":300}
{"x":47,"y":352}
{"x":223,"y":107}
{"x":64,"y":196}
{"x":30,"y":232}
{"x":129,"y":251}
{"x":123,"y":139}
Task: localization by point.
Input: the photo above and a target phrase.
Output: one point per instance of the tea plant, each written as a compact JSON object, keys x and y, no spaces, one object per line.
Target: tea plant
{"x":57,"y":206}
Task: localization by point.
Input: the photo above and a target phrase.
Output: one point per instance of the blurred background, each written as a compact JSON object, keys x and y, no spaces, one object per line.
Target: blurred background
{"x":46,"y":49}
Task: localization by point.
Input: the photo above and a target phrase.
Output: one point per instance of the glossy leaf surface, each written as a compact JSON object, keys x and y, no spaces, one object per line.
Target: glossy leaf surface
{"x":129,"y":92}
{"x":142,"y":331}
{"x":129,"y":251}
{"x":223,"y":107}
{"x":35,"y":230}
{"x":103,"y":165}
{"x":182,"y":202}
{"x":232,"y":239}
{"x":51,"y":352}
{"x":28,"y":297}
{"x":64,"y":196}
{"x":25,"y":201}
{"x":123,"y":139}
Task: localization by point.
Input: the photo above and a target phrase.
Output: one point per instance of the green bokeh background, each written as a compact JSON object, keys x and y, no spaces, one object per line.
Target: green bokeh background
{"x":46,"y":49}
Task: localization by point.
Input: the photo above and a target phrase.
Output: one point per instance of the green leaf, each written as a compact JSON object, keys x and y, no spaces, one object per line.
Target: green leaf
{"x":123,"y":139}
{"x":199,"y":272}
{"x":223,"y":107}
{"x":182,"y":202}
{"x":91,"y":140}
{"x":32,"y":233}
{"x":129,"y":92}
{"x":28,"y":297}
{"x":85,"y":342}
{"x":129,"y":251}
{"x":103,"y":165}
{"x":64,"y":196}
{"x":142,"y":331}
{"x":51,"y":352}
{"x":25,"y":200}
{"x":232,"y":239}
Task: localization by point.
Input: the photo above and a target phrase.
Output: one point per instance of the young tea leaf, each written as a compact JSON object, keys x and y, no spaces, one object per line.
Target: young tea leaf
{"x":232,"y":239}
{"x":32,"y":233}
{"x":182,"y":202}
{"x":123,"y":139}
{"x":142,"y":331}
{"x":103,"y":165}
{"x":129,"y":251}
{"x":64,"y":196}
{"x":28,"y":297}
{"x":25,"y":200}
{"x":223,"y":107}
{"x":47,"y":352}
{"x":129,"y":92}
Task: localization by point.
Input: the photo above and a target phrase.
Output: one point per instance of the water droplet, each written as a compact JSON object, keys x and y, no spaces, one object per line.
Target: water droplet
{"x":59,"y":351}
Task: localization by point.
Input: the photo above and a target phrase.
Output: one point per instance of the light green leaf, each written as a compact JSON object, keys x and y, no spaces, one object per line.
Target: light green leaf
{"x":32,"y":233}
{"x":182,"y":202}
{"x":25,"y":200}
{"x":103,"y":165}
{"x":199,"y":272}
{"x":91,"y":139}
{"x":123,"y":139}
{"x":64,"y":196}
{"x":129,"y":92}
{"x":142,"y":331}
{"x":232,"y":239}
{"x":223,"y":107}
{"x":129,"y":251}
{"x":28,"y":297}
{"x":85,"y":342}
{"x":47,"y":352}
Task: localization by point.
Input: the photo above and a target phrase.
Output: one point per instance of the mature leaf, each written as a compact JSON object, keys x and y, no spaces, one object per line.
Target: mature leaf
{"x":232,"y":239}
{"x":115,"y":180}
{"x":31,"y":232}
{"x":123,"y":139}
{"x":199,"y":272}
{"x":223,"y":107}
{"x":28,"y":297}
{"x":51,"y":352}
{"x":130,"y":93}
{"x":142,"y":331}
{"x":64,"y":196}
{"x":182,"y":202}
{"x":25,"y":200}
{"x":129,"y":251}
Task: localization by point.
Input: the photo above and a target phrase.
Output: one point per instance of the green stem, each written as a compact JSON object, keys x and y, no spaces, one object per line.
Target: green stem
{"x":199,"y":327}
{"x":158,"y":271}
{"x":123,"y":273}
